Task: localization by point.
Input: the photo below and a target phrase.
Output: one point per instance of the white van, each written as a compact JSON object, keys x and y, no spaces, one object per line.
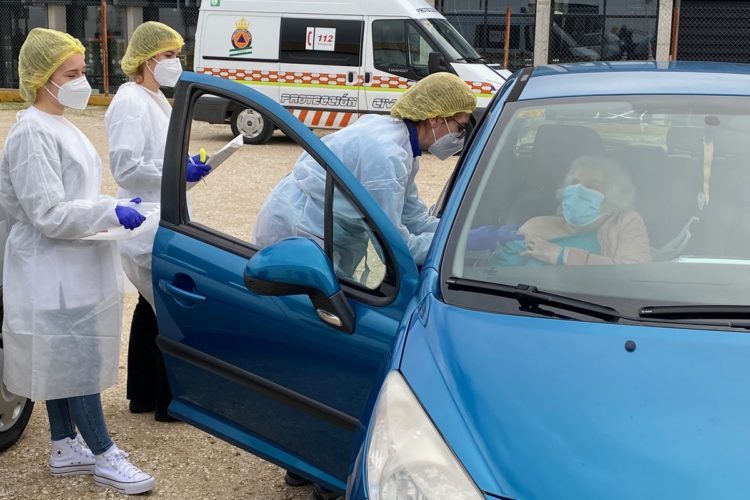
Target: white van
{"x":328,"y":61}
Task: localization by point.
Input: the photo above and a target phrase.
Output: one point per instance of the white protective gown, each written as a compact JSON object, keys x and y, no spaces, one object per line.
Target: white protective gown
{"x":377,"y":150}
{"x":62,"y":296}
{"x":137,"y":121}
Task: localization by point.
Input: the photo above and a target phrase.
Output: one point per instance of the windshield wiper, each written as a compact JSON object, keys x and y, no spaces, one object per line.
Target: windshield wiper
{"x":730,"y":316}
{"x":695,"y":312}
{"x":472,"y":60}
{"x":530,"y":297}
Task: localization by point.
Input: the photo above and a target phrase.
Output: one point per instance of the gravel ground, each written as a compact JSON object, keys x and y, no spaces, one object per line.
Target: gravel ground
{"x":186,"y":462}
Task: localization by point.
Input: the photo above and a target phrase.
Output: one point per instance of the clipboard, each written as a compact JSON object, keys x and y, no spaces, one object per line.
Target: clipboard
{"x":150,"y":210}
{"x":215,"y":160}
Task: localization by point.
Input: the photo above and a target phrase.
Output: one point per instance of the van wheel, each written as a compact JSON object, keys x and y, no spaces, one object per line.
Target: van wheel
{"x":253,"y":126}
{"x":15,"y":411}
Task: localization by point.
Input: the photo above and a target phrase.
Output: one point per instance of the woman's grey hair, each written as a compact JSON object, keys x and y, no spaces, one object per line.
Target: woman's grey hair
{"x":617,"y":188}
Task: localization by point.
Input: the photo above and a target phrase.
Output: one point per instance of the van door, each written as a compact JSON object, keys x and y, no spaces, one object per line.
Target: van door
{"x":321,"y":69}
{"x":397,"y":56}
{"x":240,"y":47}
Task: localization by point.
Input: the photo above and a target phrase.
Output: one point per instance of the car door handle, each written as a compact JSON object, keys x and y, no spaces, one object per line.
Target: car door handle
{"x":180,"y":294}
{"x":368,"y":75}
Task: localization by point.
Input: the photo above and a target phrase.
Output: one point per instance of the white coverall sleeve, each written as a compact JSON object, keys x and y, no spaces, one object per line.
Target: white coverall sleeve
{"x":416,"y":215}
{"x":127,"y":130}
{"x":37,"y":177}
{"x":385,"y":178}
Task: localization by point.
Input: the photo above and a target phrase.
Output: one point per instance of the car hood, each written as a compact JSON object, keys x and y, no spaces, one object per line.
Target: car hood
{"x":547,"y":408}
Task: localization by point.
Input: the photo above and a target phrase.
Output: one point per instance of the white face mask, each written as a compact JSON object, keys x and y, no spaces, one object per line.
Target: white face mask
{"x":74,"y":94}
{"x":448,"y":145}
{"x":167,"y":72}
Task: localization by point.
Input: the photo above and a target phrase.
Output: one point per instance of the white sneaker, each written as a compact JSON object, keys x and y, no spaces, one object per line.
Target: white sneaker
{"x":114,"y":470}
{"x":70,"y":457}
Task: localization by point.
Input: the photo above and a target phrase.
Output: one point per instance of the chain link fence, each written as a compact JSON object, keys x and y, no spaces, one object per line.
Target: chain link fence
{"x":604,"y":30}
{"x":714,"y":31}
{"x":486,"y":32}
{"x":87,"y":20}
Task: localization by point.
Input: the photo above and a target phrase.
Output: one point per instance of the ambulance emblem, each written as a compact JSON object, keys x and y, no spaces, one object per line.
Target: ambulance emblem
{"x":242,"y":40}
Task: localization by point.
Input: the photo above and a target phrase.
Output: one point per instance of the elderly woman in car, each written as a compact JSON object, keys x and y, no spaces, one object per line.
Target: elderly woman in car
{"x":595,"y":223}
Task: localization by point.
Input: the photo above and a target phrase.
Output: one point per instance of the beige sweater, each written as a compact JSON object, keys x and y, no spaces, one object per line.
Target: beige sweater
{"x":623,"y":240}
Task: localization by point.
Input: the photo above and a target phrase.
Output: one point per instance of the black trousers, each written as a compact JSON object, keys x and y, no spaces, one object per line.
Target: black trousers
{"x":147,"y":379}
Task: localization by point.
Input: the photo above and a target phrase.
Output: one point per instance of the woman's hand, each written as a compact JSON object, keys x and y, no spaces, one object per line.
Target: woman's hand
{"x":542,"y":250}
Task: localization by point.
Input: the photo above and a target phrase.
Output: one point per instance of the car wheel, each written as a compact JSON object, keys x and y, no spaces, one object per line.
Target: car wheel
{"x":15,"y":410}
{"x":253,"y":126}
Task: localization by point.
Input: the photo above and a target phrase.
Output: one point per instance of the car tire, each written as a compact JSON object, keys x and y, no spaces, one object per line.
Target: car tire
{"x":15,"y":410}
{"x":253,"y":126}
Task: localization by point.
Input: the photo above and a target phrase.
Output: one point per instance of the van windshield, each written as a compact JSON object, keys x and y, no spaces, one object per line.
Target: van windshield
{"x":625,"y":200}
{"x":450,"y":41}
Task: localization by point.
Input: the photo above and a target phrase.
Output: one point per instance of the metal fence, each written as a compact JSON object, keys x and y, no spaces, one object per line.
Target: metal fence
{"x":87,"y":20}
{"x":487,"y":33}
{"x":603,"y":31}
{"x":713,"y":31}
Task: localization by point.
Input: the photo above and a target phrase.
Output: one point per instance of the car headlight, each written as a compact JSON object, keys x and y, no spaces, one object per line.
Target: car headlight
{"x":406,"y":457}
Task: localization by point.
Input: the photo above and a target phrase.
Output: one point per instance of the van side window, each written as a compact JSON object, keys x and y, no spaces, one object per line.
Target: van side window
{"x":338,"y":48}
{"x":399,"y":47}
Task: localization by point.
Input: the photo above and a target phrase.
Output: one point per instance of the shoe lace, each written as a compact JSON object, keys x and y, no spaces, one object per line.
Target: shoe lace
{"x":79,"y":447}
{"x":119,"y":460}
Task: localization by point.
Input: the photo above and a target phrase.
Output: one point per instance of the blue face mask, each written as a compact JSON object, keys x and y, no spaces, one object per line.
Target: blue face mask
{"x":581,"y":206}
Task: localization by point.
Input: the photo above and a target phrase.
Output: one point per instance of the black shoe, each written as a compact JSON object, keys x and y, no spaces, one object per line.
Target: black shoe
{"x":163,"y":416}
{"x":295,"y":480}
{"x":140,"y":407}
{"x":321,"y":493}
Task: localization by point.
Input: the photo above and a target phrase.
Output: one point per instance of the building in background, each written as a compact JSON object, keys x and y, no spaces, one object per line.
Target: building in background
{"x":83,"y":19}
{"x":571,"y":30}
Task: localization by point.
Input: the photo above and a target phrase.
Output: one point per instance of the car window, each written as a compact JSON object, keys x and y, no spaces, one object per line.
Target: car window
{"x":332,"y":42}
{"x":400,"y":47}
{"x":269,"y":199}
{"x":358,"y":257}
{"x":641,"y":198}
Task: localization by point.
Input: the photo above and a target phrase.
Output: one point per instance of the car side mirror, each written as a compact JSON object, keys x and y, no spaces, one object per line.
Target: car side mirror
{"x":436,"y":63}
{"x":298,"y":266}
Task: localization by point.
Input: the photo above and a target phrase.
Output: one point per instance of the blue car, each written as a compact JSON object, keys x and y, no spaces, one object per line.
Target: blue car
{"x":580,"y":328}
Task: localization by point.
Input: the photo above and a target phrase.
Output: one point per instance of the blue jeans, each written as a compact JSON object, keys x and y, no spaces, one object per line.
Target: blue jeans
{"x":84,"y":412}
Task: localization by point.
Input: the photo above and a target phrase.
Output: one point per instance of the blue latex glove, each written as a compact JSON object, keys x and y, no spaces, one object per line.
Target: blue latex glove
{"x":129,"y":217}
{"x":136,"y":200}
{"x":490,"y":236}
{"x":196,"y":168}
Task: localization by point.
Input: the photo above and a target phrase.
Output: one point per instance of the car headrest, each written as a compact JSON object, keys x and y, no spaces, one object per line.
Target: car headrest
{"x":561,"y":144}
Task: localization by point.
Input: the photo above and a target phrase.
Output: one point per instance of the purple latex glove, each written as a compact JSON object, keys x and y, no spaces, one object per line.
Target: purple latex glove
{"x":196,"y":169}
{"x":128,"y":217}
{"x":136,"y":200}
{"x":489,"y":236}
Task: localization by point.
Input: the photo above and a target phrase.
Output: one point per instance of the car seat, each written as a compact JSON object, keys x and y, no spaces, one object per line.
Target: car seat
{"x":554,"y":149}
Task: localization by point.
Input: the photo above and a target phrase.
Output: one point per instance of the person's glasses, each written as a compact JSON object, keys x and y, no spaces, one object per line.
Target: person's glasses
{"x":463,"y":128}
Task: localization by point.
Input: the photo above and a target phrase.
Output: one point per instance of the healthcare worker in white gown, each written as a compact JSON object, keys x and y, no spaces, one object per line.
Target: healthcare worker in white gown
{"x":62,"y":295}
{"x":136,"y":122}
{"x":383,"y":153}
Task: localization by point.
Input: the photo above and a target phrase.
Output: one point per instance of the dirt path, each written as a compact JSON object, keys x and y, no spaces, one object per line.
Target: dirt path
{"x":186,"y":462}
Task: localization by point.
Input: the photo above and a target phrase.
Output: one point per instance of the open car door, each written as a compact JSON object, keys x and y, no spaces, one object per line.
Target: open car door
{"x":279,"y":350}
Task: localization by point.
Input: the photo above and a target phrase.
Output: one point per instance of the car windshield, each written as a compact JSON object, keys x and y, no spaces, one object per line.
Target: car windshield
{"x":643,"y":198}
{"x":450,"y":40}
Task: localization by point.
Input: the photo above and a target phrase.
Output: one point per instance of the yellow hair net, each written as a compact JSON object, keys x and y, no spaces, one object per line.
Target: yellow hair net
{"x":42,"y":52}
{"x":149,"y":39}
{"x":437,"y":95}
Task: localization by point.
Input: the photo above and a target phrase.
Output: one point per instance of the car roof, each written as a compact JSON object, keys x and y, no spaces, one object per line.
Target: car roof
{"x":637,"y":78}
